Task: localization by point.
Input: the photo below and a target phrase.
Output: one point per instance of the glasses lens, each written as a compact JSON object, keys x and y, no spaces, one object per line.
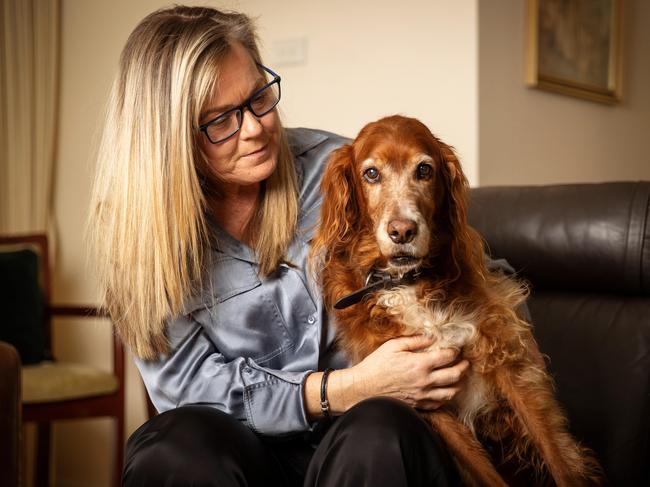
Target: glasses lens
{"x":224,"y":126}
{"x":265,"y":101}
{"x":261,"y":103}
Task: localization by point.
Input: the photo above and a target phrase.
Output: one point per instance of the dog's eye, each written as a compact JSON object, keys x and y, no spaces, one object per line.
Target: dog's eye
{"x":424,"y":171}
{"x":371,"y":175}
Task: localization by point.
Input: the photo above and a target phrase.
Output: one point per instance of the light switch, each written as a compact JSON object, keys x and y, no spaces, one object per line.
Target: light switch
{"x":290,"y":51}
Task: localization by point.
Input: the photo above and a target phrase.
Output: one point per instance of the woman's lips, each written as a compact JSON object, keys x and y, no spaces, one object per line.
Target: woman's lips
{"x":258,"y":153}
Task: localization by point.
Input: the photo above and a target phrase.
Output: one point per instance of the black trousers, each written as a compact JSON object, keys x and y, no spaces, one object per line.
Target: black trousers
{"x":379,"y":442}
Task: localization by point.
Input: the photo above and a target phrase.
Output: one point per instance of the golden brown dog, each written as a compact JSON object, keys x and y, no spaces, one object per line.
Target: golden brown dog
{"x":393,"y":224}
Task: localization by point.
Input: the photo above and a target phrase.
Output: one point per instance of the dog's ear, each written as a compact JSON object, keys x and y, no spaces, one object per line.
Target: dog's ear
{"x":339,"y":210}
{"x":466,"y":248}
{"x":456,"y":185}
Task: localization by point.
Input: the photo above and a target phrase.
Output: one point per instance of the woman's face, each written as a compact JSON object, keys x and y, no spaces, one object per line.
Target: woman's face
{"x":250,"y":156}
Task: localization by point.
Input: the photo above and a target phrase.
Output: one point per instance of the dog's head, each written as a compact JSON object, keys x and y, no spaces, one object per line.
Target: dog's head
{"x":394,"y":199}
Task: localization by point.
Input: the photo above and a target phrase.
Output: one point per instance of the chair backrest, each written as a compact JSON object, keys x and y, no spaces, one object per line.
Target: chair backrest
{"x":585,"y":249}
{"x":25,"y":295}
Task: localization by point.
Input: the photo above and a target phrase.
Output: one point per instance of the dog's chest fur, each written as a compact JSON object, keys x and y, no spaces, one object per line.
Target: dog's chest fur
{"x":451,"y":328}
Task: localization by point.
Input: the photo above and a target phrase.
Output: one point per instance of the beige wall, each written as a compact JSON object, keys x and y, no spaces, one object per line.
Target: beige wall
{"x":528,"y":136}
{"x":368,"y":59}
{"x":365,"y":59}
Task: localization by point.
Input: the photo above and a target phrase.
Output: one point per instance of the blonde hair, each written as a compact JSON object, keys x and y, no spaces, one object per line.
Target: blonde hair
{"x":147,"y":226}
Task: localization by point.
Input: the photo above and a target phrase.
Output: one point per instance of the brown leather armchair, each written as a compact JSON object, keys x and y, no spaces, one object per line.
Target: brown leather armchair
{"x":585,"y":250}
{"x":10,"y":421}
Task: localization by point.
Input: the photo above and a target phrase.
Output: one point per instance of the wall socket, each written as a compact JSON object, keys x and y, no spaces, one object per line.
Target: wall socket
{"x":287,"y":52}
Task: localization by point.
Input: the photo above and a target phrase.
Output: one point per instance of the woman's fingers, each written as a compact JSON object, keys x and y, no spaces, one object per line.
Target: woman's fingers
{"x":441,"y":358}
{"x":441,"y":394}
{"x":449,"y":375}
{"x":437,"y":397}
{"x":405,"y":368}
{"x":411,"y":343}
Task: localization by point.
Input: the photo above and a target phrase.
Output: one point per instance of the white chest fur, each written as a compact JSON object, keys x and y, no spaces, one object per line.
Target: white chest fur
{"x":452,"y":328}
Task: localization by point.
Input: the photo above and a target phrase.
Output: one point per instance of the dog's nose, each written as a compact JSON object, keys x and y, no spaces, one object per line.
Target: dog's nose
{"x":402,"y":231}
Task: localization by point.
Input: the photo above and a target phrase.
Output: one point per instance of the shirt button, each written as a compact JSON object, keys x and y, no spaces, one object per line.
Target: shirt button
{"x":311,"y":319}
{"x":248,"y":370}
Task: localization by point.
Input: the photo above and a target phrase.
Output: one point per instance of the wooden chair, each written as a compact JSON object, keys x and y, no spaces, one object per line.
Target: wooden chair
{"x":53,"y":390}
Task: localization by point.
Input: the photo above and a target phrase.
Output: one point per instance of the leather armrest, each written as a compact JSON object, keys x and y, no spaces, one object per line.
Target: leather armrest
{"x":10,"y":412}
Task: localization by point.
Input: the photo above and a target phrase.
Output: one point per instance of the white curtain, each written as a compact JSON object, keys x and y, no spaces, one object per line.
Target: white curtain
{"x":29,"y":93}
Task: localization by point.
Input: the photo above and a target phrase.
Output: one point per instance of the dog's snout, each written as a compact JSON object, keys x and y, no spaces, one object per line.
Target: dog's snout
{"x":402,"y":231}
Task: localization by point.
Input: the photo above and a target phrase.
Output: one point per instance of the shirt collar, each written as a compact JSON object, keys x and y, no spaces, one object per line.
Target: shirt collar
{"x":225,"y":243}
{"x":302,"y":139}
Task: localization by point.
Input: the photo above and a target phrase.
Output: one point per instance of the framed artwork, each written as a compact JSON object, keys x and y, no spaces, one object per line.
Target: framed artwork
{"x":574,"y":48}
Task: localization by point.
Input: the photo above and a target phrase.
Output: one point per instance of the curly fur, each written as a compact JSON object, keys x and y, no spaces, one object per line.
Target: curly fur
{"x":508,"y":398}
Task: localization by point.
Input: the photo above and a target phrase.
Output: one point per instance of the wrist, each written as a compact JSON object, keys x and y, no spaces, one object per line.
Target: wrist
{"x":342,"y":391}
{"x":312,"y":395}
{"x":324,"y":396}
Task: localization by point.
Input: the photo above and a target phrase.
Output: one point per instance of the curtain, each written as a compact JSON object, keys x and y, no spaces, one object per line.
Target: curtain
{"x":29,"y":93}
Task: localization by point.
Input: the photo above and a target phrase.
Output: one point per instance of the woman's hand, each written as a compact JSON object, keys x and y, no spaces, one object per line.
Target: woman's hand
{"x":401,"y":368}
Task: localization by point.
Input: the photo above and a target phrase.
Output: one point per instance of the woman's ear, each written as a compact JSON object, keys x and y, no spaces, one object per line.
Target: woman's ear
{"x":339,"y":210}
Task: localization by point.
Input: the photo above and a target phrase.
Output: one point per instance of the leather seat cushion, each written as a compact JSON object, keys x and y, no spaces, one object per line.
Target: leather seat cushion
{"x":599,"y":350}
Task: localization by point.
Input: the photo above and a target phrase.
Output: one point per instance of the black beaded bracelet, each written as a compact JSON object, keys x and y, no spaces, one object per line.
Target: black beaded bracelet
{"x":324,"y":403}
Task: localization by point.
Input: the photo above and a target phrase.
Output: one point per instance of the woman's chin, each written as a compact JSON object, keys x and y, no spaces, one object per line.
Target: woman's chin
{"x":264,"y":169}
{"x":248,"y":176}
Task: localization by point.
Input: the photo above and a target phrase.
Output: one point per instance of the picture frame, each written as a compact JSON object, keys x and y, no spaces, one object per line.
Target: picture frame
{"x":574,"y":47}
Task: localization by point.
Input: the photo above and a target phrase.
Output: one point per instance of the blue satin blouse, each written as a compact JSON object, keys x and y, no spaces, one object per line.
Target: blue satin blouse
{"x":245,"y":344}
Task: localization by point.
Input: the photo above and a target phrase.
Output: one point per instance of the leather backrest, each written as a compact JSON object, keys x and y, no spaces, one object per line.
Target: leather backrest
{"x":588,"y":237}
{"x":585,"y":249}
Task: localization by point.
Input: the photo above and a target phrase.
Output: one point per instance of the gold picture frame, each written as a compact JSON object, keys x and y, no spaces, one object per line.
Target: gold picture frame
{"x":575,"y":48}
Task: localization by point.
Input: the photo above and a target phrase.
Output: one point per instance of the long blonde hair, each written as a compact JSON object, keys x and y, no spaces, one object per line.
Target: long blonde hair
{"x":147,"y":227}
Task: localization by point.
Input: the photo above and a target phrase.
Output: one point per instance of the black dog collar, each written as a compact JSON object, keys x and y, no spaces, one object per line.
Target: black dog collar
{"x":376,"y":280}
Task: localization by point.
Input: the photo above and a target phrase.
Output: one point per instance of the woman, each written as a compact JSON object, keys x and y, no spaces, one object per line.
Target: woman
{"x":201,"y":213}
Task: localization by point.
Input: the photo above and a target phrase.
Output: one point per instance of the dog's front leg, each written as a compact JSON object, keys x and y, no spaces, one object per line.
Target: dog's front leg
{"x":530,"y":395}
{"x":470,"y":455}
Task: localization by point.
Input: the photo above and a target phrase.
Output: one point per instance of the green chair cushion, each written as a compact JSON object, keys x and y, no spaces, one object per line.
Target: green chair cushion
{"x":21,"y":301}
{"x":56,"y":381}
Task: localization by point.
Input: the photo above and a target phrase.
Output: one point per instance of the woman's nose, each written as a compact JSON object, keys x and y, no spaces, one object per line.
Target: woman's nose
{"x":251,"y":126}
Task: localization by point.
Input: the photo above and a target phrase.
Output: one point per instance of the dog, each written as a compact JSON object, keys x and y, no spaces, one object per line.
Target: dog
{"x":395,"y":256}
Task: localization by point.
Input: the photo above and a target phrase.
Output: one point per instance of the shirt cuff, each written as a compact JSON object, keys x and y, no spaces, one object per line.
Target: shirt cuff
{"x":276,"y":406}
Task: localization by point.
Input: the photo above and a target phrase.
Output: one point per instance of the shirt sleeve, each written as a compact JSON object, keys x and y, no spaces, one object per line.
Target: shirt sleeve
{"x":270,"y":401}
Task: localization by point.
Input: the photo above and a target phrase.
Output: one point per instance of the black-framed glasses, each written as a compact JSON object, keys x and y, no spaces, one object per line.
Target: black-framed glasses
{"x":260,"y":103}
